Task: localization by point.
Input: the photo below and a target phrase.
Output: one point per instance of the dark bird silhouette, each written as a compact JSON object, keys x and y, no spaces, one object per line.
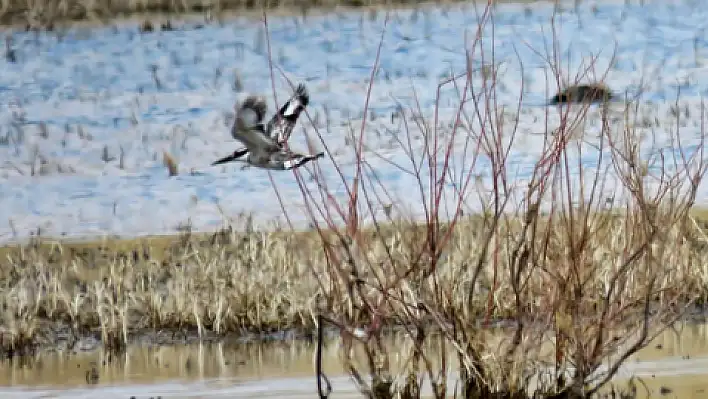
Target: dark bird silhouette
{"x":589,"y":93}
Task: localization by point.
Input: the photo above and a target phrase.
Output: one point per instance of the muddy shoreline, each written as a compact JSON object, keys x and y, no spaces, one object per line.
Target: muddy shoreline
{"x":59,"y":337}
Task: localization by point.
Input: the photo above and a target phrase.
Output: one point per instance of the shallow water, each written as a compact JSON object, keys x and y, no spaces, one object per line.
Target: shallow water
{"x":196,"y":370}
{"x":676,"y":363}
{"x":99,"y":106}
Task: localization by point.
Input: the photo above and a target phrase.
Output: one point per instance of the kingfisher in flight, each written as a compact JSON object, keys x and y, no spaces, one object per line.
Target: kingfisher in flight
{"x":266,"y":145}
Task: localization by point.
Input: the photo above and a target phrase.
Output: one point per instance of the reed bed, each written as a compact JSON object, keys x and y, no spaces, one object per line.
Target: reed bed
{"x":238,"y":281}
{"x":50,"y":14}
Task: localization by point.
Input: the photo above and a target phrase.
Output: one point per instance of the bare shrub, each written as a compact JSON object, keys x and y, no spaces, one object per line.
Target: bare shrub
{"x":581,"y":263}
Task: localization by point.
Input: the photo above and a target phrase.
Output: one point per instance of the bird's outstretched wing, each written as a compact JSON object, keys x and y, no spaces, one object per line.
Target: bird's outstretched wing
{"x":248,"y":126}
{"x":287,"y":160}
{"x":301,"y":160}
{"x":281,"y":125}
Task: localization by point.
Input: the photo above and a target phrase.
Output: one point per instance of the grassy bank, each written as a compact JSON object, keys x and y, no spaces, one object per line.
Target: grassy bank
{"x":46,"y":14}
{"x":237,"y":282}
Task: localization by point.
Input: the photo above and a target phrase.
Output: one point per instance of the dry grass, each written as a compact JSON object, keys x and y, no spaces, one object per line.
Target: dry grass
{"x":46,"y":14}
{"x":237,"y":282}
{"x":223,"y":283}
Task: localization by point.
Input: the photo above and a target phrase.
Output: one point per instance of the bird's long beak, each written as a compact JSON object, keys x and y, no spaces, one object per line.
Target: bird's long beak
{"x":236,"y":155}
{"x":224,"y":160}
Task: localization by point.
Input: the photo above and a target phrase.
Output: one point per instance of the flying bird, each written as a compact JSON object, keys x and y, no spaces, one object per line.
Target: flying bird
{"x":266,"y":145}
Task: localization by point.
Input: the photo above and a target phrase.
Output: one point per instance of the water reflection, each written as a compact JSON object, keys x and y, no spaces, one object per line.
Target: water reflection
{"x":676,"y":364}
{"x":183,"y":362}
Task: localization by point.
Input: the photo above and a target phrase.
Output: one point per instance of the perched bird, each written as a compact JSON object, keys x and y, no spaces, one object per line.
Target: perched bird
{"x":266,"y":146}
